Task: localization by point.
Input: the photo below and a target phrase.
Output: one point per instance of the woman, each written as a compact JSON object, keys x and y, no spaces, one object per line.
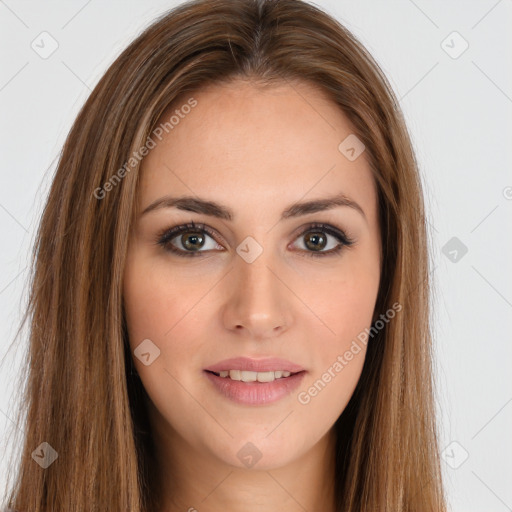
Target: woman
{"x":230,"y":299}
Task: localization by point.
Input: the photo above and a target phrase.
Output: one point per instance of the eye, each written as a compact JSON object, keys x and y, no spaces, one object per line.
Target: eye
{"x":190,"y":239}
{"x":315,"y":240}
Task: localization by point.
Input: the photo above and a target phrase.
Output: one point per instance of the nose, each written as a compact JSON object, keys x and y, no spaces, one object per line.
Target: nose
{"x":258,"y":302}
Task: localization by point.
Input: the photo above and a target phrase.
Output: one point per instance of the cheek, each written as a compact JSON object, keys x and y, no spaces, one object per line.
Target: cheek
{"x":157,"y":309}
{"x":340,"y":353}
{"x":148,"y":316}
{"x":345,"y":302}
{"x":167,"y":308}
{"x":345,"y":306}
{"x":155,"y":304}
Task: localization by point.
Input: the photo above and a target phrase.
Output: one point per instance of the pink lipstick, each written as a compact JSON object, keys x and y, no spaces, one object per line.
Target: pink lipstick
{"x":255,"y":381}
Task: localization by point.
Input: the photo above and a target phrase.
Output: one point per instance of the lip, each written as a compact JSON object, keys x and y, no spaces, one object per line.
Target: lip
{"x":255,"y":393}
{"x":270,"y":364}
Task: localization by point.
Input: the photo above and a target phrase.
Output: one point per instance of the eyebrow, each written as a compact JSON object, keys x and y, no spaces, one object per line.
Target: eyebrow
{"x":213,"y":209}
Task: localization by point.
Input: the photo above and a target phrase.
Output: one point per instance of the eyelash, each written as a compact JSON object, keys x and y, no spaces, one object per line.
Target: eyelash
{"x":167,"y":235}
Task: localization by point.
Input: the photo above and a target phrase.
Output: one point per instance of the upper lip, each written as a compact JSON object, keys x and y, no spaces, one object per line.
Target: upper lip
{"x":270,"y":364}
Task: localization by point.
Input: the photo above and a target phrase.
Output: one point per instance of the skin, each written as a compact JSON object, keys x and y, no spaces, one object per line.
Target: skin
{"x":257,"y":151}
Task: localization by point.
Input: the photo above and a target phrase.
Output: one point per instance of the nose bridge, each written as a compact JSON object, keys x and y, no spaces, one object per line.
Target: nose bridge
{"x":257,"y":297}
{"x":255,"y":254}
{"x":255,"y":280}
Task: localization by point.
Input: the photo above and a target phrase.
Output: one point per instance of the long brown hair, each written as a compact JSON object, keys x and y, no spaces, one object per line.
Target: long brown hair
{"x":82,"y":394}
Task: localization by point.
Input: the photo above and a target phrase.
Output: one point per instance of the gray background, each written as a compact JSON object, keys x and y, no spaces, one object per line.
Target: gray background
{"x":458,"y":107}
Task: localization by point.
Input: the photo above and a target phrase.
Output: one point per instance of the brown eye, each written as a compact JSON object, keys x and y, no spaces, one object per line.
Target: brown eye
{"x":316,"y":240}
{"x":192,"y":241}
{"x":188,"y":240}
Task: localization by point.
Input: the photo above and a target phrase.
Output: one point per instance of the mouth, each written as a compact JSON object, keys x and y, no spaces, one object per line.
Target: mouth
{"x":250,"y":388}
{"x":249,"y":364}
{"x":253,"y":376}
{"x":249,"y":381}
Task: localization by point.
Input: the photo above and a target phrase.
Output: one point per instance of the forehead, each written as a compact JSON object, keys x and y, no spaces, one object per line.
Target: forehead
{"x":242,"y":143}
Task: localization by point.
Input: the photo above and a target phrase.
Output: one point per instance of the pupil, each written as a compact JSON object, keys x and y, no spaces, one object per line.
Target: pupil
{"x":315,"y":244}
{"x":194,"y":238}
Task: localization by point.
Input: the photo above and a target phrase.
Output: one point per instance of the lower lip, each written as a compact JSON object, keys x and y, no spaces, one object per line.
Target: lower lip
{"x":256,"y":393}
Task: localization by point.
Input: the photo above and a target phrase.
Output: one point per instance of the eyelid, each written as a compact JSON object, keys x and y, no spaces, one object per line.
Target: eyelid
{"x":327,"y":228}
{"x":166,"y":235}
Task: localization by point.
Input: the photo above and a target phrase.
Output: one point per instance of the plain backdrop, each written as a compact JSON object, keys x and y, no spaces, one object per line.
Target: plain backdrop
{"x":449,"y":62}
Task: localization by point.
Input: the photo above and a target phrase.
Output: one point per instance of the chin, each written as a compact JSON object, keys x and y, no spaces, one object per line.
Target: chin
{"x":254,"y":454}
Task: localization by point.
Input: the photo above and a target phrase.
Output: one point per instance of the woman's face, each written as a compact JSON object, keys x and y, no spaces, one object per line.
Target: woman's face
{"x":263,"y":284}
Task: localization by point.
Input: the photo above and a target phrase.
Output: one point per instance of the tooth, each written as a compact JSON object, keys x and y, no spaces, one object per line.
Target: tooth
{"x":249,"y":376}
{"x":265,"y":376}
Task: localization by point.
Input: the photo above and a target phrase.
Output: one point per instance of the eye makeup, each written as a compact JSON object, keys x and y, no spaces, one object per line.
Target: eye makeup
{"x":200,"y":231}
